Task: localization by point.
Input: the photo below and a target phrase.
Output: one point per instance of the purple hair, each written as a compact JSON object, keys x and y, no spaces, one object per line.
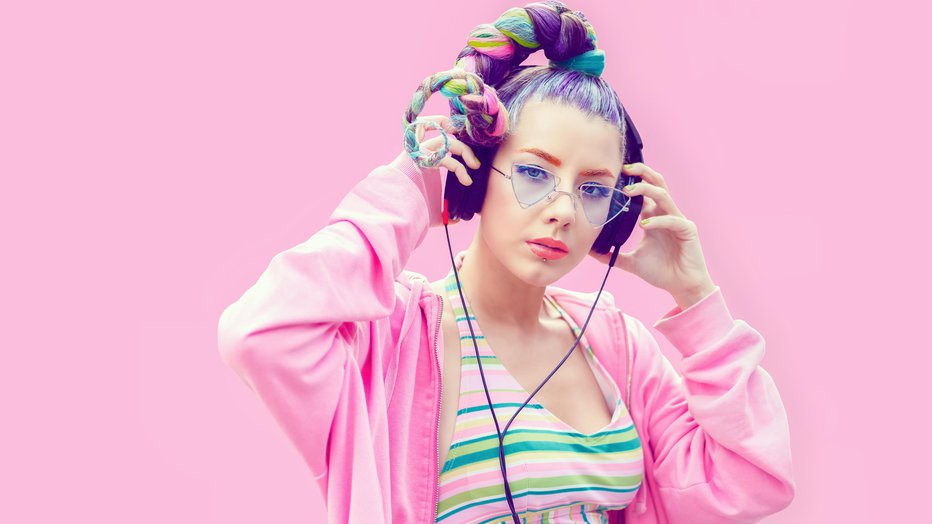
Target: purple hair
{"x":488,"y":88}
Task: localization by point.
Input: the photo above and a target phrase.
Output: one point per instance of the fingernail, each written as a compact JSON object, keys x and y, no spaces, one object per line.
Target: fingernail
{"x":645,"y":221}
{"x":628,"y":166}
{"x":628,"y":187}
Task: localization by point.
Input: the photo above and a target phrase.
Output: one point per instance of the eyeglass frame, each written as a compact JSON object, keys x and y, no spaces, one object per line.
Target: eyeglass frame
{"x":573,"y":196}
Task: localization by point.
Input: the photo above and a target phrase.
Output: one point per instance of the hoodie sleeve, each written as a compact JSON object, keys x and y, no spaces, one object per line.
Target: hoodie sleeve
{"x":718,"y":434}
{"x":292,"y":336}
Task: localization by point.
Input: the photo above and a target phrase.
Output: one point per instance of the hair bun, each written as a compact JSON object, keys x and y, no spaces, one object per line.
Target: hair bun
{"x":591,"y":62}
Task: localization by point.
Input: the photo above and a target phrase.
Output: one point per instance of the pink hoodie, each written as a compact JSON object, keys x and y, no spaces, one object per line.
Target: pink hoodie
{"x":344,"y":348}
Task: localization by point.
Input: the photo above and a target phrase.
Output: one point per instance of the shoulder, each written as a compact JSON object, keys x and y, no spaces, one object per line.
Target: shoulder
{"x":605,"y":322}
{"x":627,"y":324}
{"x":629,"y":329}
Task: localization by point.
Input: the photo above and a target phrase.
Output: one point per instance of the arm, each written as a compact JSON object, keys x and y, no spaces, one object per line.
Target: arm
{"x":718,"y":434}
{"x":292,"y":336}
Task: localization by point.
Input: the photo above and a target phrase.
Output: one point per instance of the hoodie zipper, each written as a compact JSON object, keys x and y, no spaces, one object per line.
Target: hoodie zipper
{"x":437,"y":335}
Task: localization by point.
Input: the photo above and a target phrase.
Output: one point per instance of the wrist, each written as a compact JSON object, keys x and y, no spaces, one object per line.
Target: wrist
{"x":688,"y":297}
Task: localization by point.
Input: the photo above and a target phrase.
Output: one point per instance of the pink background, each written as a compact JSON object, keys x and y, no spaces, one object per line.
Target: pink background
{"x":156,"y":155}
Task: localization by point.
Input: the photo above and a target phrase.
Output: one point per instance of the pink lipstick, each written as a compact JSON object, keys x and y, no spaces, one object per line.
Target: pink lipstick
{"x":548,"y":248}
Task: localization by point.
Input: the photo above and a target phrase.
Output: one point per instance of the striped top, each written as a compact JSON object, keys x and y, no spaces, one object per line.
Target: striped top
{"x":556,"y":474}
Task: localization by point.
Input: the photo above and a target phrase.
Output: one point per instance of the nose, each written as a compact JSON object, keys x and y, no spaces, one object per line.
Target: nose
{"x":561,"y":210}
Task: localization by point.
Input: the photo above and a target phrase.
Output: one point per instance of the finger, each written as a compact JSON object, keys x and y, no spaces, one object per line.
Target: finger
{"x":621,"y":261}
{"x":460,"y":148}
{"x":625,"y":261}
{"x":457,"y":147}
{"x":649,"y":207}
{"x":683,"y":227}
{"x":664,"y":202}
{"x":647,"y":174}
{"x":458,"y":168}
{"x":436,"y":143}
{"x":422,"y":127}
{"x":445,"y":122}
{"x":604,"y":258}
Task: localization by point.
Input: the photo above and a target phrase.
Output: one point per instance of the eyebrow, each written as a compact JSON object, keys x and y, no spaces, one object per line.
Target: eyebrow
{"x":557,"y":162}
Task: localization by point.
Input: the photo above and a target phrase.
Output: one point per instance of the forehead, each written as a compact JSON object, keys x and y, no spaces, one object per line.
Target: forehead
{"x":567,"y":133}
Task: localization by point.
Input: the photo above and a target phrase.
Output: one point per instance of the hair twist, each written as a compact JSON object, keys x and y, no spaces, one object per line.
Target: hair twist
{"x":477,"y":111}
{"x":493,"y":52}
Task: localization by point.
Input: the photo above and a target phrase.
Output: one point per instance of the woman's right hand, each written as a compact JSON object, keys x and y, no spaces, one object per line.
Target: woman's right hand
{"x":457,"y":147}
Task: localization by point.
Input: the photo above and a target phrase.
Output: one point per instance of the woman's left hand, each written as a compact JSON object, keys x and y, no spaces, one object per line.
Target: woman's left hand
{"x":669,"y":255}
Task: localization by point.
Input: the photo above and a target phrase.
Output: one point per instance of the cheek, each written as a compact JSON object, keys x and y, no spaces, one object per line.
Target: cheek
{"x":503,"y":219}
{"x":587,"y":237}
{"x":500,"y":202}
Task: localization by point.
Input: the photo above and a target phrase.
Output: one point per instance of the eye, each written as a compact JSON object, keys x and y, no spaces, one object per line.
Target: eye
{"x":531,"y":172}
{"x":595,"y":190}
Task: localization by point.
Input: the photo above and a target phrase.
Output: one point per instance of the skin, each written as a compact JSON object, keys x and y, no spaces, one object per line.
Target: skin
{"x":505,"y":282}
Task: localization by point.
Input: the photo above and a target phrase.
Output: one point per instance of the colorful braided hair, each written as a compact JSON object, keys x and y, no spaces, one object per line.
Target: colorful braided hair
{"x":488,"y":87}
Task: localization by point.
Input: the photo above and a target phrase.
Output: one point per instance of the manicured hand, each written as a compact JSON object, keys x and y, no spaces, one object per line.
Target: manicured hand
{"x":457,"y":147}
{"x":669,"y":255}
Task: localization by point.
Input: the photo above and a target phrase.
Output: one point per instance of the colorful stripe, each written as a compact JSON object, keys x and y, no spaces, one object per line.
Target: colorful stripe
{"x":556,"y":473}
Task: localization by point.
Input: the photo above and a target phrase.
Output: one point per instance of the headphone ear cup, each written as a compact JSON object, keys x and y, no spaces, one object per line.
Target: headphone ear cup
{"x":465,"y":201}
{"x":617,"y":232}
{"x":620,"y":229}
{"x":454,"y":193}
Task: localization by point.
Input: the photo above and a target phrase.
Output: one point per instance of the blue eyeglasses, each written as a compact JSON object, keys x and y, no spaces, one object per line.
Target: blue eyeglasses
{"x":532,"y":184}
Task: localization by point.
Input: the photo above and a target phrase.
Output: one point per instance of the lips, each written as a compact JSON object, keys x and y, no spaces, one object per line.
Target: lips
{"x":551,"y":243}
{"x":544,"y":251}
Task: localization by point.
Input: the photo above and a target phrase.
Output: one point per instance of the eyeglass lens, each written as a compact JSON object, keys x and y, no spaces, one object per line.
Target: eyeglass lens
{"x":601,"y":203}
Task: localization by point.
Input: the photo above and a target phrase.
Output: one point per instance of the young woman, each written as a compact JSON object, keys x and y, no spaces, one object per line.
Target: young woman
{"x":413,"y":401}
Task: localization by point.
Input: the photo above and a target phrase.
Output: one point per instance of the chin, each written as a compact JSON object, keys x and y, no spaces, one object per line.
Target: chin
{"x":540,"y":273}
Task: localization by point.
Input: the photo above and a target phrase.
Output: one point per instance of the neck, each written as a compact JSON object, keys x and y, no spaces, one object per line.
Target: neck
{"x":496,"y":295}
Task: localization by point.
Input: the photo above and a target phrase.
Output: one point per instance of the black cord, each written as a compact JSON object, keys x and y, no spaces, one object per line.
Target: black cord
{"x":501,"y":449}
{"x":501,"y":434}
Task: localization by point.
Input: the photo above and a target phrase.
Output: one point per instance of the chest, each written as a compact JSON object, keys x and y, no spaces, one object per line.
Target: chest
{"x":572,"y":394}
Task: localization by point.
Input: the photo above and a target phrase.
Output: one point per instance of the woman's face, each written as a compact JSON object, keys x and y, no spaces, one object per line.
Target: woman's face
{"x":562,"y":140}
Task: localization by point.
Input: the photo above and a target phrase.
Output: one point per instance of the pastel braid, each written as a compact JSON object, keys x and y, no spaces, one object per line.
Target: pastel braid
{"x":493,"y":52}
